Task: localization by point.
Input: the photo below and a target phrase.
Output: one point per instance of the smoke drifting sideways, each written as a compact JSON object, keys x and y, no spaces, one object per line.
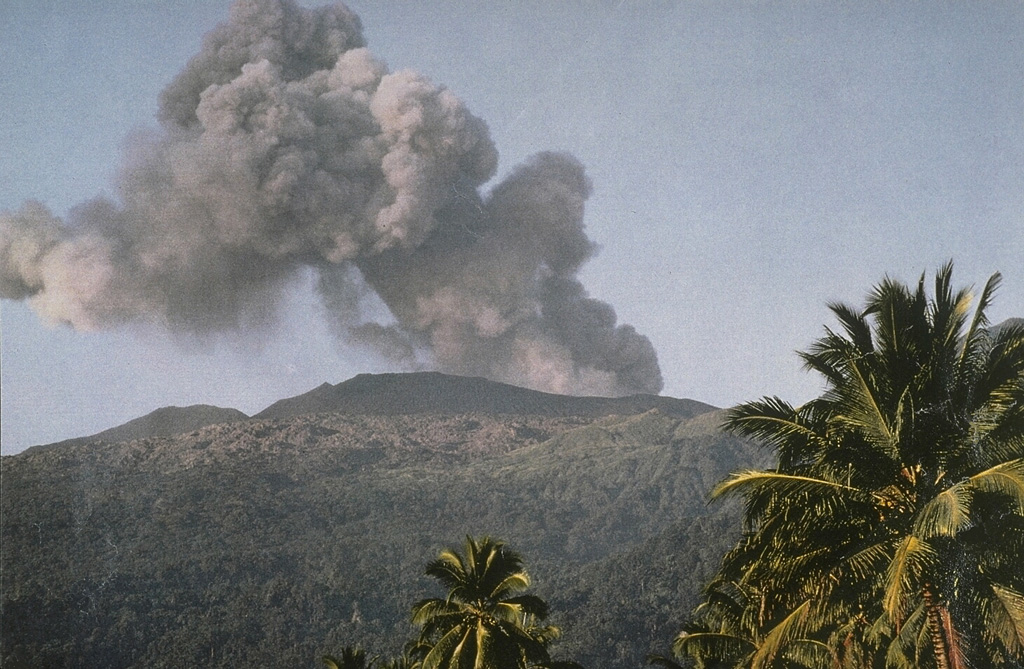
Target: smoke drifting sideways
{"x":284,"y":147}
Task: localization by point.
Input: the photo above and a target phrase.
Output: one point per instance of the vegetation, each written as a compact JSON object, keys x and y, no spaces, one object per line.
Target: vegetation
{"x":484,"y":621}
{"x":352,"y":657}
{"x":891,"y":531}
{"x":888,"y":533}
{"x":273,"y":542}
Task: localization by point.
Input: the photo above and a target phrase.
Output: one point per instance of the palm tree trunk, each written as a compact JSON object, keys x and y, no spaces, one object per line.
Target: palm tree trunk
{"x":945,"y":639}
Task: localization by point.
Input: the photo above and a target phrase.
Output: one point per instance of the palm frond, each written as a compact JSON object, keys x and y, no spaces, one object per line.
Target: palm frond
{"x":861,"y":410}
{"x":445,"y":653}
{"x":946,"y":514}
{"x":791,"y":628}
{"x":879,"y":629}
{"x":902,"y":574}
{"x":856,"y":325}
{"x":956,"y":655}
{"x":829,"y":355}
{"x":770,"y":420}
{"x":999,"y":437}
{"x":1001,"y":374}
{"x":511,"y":584}
{"x":352,"y":657}
{"x":783,"y":484}
{"x":448,"y":568}
{"x":1006,"y":478}
{"x":482,"y":642}
{"x":705,"y":645}
{"x":811,"y":654}
{"x":973,"y":338}
{"x":1005,"y":619}
{"x":546,"y":635}
{"x":903,"y":332}
{"x":948,"y":311}
{"x":530,"y":605}
{"x":904,"y":649}
{"x":426,"y":609}
{"x":867,"y":562}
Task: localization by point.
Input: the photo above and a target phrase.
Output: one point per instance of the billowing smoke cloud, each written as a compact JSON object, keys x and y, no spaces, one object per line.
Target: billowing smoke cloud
{"x":285,"y":146}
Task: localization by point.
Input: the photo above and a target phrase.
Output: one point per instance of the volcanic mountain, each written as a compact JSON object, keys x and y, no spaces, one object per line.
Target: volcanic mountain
{"x":163,"y":422}
{"x":433,"y":392}
{"x":276,"y":539}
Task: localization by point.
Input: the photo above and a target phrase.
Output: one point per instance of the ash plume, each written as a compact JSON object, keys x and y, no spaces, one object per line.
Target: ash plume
{"x":284,"y":147}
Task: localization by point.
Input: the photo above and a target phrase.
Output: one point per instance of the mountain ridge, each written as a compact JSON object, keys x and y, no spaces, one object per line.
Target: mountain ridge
{"x":395,"y":394}
{"x":163,"y":422}
{"x":435,"y":392}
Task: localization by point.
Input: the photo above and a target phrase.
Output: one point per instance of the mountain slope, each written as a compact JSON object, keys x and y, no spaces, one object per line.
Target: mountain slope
{"x":163,"y":422}
{"x":397,"y":394}
{"x":270,"y":542}
{"x":433,"y":392}
{"x":1009,"y":322}
{"x":169,"y":421}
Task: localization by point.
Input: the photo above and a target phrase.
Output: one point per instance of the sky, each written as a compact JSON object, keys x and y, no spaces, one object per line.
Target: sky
{"x":749,"y":163}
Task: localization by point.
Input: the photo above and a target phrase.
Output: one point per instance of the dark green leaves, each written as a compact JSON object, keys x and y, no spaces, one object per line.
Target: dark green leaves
{"x":483,"y":623}
{"x":886,"y":532}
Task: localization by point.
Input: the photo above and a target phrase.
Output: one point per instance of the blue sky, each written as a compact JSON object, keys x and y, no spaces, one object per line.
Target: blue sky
{"x":750,"y":162}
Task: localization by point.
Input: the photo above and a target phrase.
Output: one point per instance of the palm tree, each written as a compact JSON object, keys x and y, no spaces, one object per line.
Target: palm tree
{"x":724,"y":632}
{"x":411,"y":658}
{"x":484,"y":621}
{"x":894,"y":521}
{"x":352,"y":657}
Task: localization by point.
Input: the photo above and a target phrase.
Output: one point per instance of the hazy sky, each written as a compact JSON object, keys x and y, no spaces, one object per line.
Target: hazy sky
{"x":750,"y":163}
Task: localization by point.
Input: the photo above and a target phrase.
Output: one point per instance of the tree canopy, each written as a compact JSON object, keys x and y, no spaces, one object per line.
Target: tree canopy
{"x":485,"y":620}
{"x":891,"y":531}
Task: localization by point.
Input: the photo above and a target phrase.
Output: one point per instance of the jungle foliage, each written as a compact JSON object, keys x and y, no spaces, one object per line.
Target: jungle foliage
{"x":485,"y":619}
{"x":275,"y":542}
{"x":891,"y":531}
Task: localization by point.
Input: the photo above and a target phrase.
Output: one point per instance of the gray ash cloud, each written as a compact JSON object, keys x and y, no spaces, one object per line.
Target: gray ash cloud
{"x":285,"y":147}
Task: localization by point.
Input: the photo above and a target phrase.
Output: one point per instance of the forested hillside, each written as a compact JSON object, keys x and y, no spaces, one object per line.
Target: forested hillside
{"x":270,"y":542}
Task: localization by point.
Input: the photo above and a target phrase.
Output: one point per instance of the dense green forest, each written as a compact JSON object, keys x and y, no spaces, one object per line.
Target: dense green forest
{"x":274,"y":542}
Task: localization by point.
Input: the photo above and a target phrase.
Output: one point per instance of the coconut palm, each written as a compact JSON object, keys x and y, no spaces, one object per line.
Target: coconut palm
{"x":724,"y":632}
{"x":895,"y":517}
{"x":352,"y":657}
{"x":484,"y":621}
{"x":411,"y":657}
